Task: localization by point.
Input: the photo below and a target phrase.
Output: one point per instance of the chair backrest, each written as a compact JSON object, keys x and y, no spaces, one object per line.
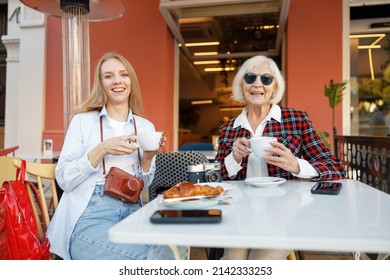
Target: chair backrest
{"x":8,"y":151}
{"x":197,"y":147}
{"x":7,"y":169}
{"x":43,"y":171}
{"x":171,"y":169}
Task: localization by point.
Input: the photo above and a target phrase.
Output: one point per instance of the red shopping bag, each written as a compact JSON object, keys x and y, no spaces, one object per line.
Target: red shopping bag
{"x":19,"y":237}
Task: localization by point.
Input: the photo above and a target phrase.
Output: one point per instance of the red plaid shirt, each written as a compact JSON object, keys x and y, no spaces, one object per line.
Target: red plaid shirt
{"x":296,"y":133}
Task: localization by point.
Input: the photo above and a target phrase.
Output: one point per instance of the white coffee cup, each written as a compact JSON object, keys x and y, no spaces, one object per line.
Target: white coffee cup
{"x":259,"y":144}
{"x":149,"y":141}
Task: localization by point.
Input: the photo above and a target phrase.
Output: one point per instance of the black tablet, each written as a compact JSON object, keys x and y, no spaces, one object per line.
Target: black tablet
{"x":186,"y":216}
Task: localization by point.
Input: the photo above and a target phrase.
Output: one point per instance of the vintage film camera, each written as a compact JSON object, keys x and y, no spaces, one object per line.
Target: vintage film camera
{"x":204,"y":172}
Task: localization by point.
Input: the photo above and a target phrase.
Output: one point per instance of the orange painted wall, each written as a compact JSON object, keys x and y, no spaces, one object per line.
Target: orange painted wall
{"x":53,"y":123}
{"x":140,"y":35}
{"x":314,"y":56}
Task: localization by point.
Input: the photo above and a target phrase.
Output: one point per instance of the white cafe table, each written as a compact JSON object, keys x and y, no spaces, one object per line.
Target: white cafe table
{"x":284,"y":217}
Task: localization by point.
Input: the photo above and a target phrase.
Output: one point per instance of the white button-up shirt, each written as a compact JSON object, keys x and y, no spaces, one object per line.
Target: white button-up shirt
{"x":77,"y":177}
{"x":257,"y":167}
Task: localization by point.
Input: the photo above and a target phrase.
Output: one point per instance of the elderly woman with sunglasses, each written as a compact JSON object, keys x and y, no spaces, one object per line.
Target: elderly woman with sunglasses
{"x":299,"y":153}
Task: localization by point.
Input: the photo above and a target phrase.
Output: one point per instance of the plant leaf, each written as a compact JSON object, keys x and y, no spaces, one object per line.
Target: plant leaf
{"x":334,"y":92}
{"x":325,"y":138}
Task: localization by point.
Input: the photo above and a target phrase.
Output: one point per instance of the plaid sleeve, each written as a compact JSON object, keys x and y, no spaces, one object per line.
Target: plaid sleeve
{"x":227,"y":136}
{"x":318,"y":155}
{"x":297,"y":133}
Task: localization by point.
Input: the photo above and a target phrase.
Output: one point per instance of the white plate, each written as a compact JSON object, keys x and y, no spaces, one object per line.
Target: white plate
{"x":198,"y":204}
{"x":265,"y":181}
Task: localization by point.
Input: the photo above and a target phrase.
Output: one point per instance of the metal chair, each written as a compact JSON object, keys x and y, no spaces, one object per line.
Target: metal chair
{"x":171,"y":169}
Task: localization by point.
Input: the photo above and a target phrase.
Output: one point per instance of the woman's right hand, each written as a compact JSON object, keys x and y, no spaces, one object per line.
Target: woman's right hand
{"x":120,"y":145}
{"x":240,"y":149}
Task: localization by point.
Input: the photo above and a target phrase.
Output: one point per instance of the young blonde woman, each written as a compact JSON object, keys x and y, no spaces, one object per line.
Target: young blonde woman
{"x":79,"y":227}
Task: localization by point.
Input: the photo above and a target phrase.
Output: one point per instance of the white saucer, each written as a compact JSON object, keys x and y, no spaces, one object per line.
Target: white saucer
{"x":265,"y":182}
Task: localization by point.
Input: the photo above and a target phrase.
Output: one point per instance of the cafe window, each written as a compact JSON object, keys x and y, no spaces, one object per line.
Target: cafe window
{"x":370,"y":84}
{"x":370,"y":70}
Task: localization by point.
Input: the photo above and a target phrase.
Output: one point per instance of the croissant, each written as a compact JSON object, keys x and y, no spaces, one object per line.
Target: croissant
{"x":185,"y":189}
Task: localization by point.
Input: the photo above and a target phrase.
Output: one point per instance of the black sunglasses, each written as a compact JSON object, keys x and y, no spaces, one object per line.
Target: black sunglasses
{"x":266,"y":79}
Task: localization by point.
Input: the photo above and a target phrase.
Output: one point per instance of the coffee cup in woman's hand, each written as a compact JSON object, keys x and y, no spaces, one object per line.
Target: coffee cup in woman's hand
{"x":259,"y":144}
{"x":148,"y":141}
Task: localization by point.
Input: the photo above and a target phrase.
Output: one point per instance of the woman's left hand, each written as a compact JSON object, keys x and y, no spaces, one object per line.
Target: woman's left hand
{"x":282,"y":157}
{"x":148,"y":155}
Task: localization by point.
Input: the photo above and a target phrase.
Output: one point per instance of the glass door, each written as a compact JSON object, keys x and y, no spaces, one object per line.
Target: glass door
{"x":370,"y":70}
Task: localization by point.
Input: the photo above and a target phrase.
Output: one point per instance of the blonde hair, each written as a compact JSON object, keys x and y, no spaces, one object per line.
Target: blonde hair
{"x":98,"y":97}
{"x":251,"y":64}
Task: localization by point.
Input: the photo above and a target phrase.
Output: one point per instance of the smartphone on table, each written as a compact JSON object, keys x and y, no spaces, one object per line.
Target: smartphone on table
{"x":331,"y":188}
{"x":170,"y":216}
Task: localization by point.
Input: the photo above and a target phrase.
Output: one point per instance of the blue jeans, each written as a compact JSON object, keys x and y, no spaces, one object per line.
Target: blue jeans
{"x":89,"y":239}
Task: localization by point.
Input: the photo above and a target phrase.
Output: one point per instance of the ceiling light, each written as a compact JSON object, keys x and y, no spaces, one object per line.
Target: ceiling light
{"x":205,"y":53}
{"x":203,"y":62}
{"x":202,"y":44}
{"x":253,"y":27}
{"x":219,"y":69}
{"x":369,"y":47}
{"x":357,"y":36}
{"x":232,"y":108}
{"x":201,"y":102}
{"x":194,"y":19}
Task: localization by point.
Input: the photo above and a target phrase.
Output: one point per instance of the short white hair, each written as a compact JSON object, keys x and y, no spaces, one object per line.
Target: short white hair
{"x":251,"y":64}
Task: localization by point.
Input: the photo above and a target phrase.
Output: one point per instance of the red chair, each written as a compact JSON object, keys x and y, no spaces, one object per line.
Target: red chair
{"x":7,"y":151}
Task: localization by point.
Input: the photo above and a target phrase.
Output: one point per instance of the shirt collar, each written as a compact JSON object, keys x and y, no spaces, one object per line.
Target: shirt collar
{"x":274,"y":113}
{"x":103,"y":112}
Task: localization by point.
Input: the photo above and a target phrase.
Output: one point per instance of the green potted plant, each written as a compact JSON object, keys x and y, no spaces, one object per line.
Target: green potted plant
{"x":335,"y":93}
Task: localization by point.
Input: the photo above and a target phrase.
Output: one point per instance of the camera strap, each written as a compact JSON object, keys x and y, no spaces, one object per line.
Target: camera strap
{"x":139,"y":175}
